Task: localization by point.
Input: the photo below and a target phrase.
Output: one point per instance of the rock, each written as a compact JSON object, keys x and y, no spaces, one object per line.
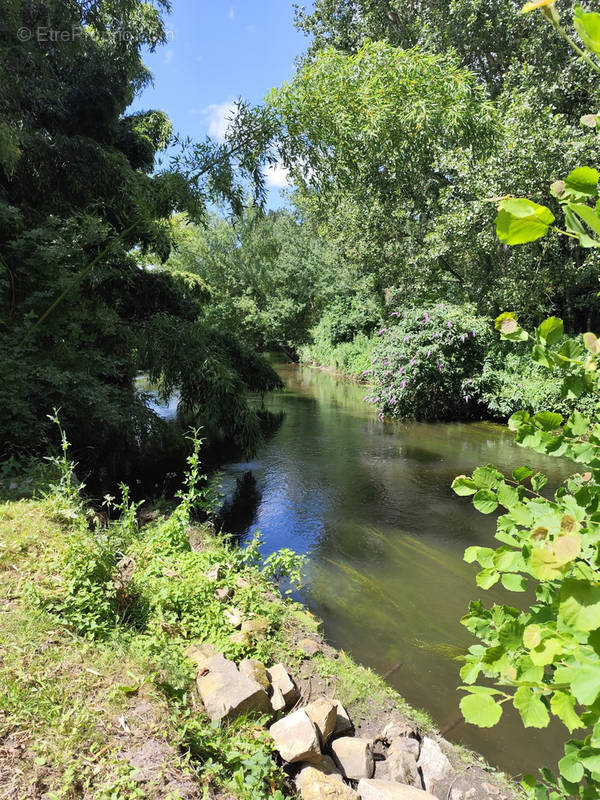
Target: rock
{"x":277,"y":700}
{"x":433,"y":763}
{"x":326,"y":766}
{"x":309,"y":647}
{"x":255,"y":670}
{"x":241,"y":638}
{"x":280,"y":679}
{"x":233,"y":617}
{"x":214,"y":572}
{"x":354,"y":757}
{"x":402,"y":767}
{"x":242,"y":583}
{"x":323,"y":714}
{"x":256,"y":627}
{"x":314,"y":784}
{"x":387,"y":790}
{"x":343,"y":723}
{"x":225,"y":692}
{"x":223,"y":594}
{"x":199,"y":653}
{"x":296,"y":738}
{"x":396,"y":730}
{"x":407,"y":744}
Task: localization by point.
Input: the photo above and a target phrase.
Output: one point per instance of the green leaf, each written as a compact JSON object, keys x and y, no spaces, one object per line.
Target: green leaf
{"x":487,"y":477}
{"x":546,"y":651}
{"x":583,"y":180}
{"x":487,"y":578}
{"x":540,"y":355}
{"x":485,"y":555}
{"x":579,"y":605}
{"x":577,"y":424}
{"x":522,"y":473}
{"x":547,"y":420}
{"x":584,"y":680}
{"x":509,"y":328}
{"x":481,"y":710}
{"x":538,"y":481}
{"x":588,"y":215}
{"x":587,"y":26}
{"x":515,"y":421}
{"x":531,"y":708}
{"x":514,"y":583}
{"x":572,"y":387}
{"x":550,"y":331}
{"x":463,"y":486}
{"x":563,"y":706}
{"x":508,"y":496}
{"x":571,"y":768}
{"x":520,"y":221}
{"x":485,"y":501}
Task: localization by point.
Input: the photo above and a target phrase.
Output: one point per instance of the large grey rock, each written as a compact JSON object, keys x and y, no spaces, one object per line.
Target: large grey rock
{"x":201,"y":653}
{"x":402,"y":767}
{"x":387,"y":790}
{"x":323,"y":713}
{"x":285,"y":691}
{"x":407,"y":744}
{"x":313,"y":784}
{"x":343,"y":723}
{"x":396,"y":729}
{"x":233,"y":617}
{"x":258,"y":626}
{"x":226,"y":693}
{"x":296,"y":738}
{"x":434,"y":764}
{"x":354,"y":757}
{"x":326,"y":765}
{"x":255,"y":670}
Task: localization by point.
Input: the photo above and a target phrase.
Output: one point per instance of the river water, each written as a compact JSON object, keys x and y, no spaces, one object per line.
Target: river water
{"x":370,"y":504}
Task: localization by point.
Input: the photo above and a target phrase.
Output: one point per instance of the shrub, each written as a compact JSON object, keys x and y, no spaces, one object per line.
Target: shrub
{"x":427,"y":362}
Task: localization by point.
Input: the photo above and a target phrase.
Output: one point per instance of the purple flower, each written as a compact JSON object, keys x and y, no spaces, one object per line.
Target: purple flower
{"x":474,"y":333}
{"x":387,"y":372}
{"x":435,"y":335}
{"x":401,"y":370}
{"x":382,"y":331}
{"x":449,"y":324}
{"x":403,"y":384}
{"x":394,"y":313}
{"x":366,"y":372}
{"x":374,"y":360}
{"x":463,"y":337}
{"x":406,"y":339}
{"x":440,"y":366}
{"x":392,"y":401}
{"x":466,"y":398}
{"x":426,"y":317}
{"x":428,"y":353}
{"x":412,"y":362}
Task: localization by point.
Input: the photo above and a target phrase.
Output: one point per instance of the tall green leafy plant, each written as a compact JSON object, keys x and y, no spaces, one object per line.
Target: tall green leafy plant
{"x":545,"y":659}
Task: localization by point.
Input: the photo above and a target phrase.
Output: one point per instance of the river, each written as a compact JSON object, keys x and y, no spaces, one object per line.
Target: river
{"x":370,"y":504}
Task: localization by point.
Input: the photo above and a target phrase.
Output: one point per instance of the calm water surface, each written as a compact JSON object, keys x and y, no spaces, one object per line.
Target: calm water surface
{"x":370,"y":504}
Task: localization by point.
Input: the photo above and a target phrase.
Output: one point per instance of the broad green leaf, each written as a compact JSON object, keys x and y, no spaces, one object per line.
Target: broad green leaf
{"x":577,"y":424}
{"x":546,"y":651}
{"x":588,"y":215}
{"x":541,"y":356}
{"x":514,"y":422}
{"x":543,"y":564}
{"x":514,"y":583}
{"x":538,"y":481}
{"x":507,"y":495}
{"x":484,"y":555}
{"x":470,"y":671}
{"x":487,"y":578}
{"x":587,"y":26}
{"x":579,"y":605}
{"x":547,"y":420}
{"x":487,"y":477}
{"x":520,"y":221}
{"x":485,"y":501}
{"x":463,"y":486}
{"x":507,"y":559}
{"x":590,"y":759}
{"x":571,"y":768}
{"x":550,"y":331}
{"x":531,"y":708}
{"x":522,"y":473}
{"x":532,"y":636}
{"x":481,"y":710}
{"x":572,"y":387}
{"x":563,"y":706}
{"x":583,"y":180}
{"x":567,"y":548}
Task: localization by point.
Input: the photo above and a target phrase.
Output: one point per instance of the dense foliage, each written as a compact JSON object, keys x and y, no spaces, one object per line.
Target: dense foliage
{"x":81,"y":214}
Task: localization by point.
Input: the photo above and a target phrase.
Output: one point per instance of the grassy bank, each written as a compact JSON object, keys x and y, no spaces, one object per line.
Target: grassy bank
{"x":97,"y":696}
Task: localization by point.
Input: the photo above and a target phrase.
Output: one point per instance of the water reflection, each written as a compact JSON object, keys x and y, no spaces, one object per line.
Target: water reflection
{"x":370,"y":503}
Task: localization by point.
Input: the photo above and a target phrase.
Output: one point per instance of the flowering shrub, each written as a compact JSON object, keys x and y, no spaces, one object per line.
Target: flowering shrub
{"x":427,"y":362}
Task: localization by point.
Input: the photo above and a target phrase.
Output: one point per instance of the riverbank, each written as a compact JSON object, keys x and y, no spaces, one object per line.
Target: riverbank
{"x":98,"y":697}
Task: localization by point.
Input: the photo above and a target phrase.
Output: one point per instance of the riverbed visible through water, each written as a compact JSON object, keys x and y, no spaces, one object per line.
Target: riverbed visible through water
{"x":370,"y":504}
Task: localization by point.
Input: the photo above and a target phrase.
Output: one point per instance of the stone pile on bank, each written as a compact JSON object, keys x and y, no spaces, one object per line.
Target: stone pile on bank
{"x":316,"y":740}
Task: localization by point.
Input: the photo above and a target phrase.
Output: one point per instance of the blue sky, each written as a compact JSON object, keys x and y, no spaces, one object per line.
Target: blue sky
{"x":219,"y":51}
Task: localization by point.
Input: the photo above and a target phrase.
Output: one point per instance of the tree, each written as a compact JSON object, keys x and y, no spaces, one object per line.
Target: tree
{"x":81,"y":215}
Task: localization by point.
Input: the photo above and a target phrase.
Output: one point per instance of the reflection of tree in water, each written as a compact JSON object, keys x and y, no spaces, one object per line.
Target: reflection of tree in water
{"x":238,"y":513}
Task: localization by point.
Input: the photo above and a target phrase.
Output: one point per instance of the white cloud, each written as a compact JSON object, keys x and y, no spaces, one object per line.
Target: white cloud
{"x":219,"y":118}
{"x":277,"y":176}
{"x":169,"y":56}
{"x":231,"y":14}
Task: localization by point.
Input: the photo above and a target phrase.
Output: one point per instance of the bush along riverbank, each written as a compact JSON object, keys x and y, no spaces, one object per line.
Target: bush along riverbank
{"x":439,"y":362}
{"x":145,"y":657}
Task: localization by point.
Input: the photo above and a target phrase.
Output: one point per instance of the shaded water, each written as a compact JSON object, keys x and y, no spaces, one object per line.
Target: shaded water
{"x":370,"y":504}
